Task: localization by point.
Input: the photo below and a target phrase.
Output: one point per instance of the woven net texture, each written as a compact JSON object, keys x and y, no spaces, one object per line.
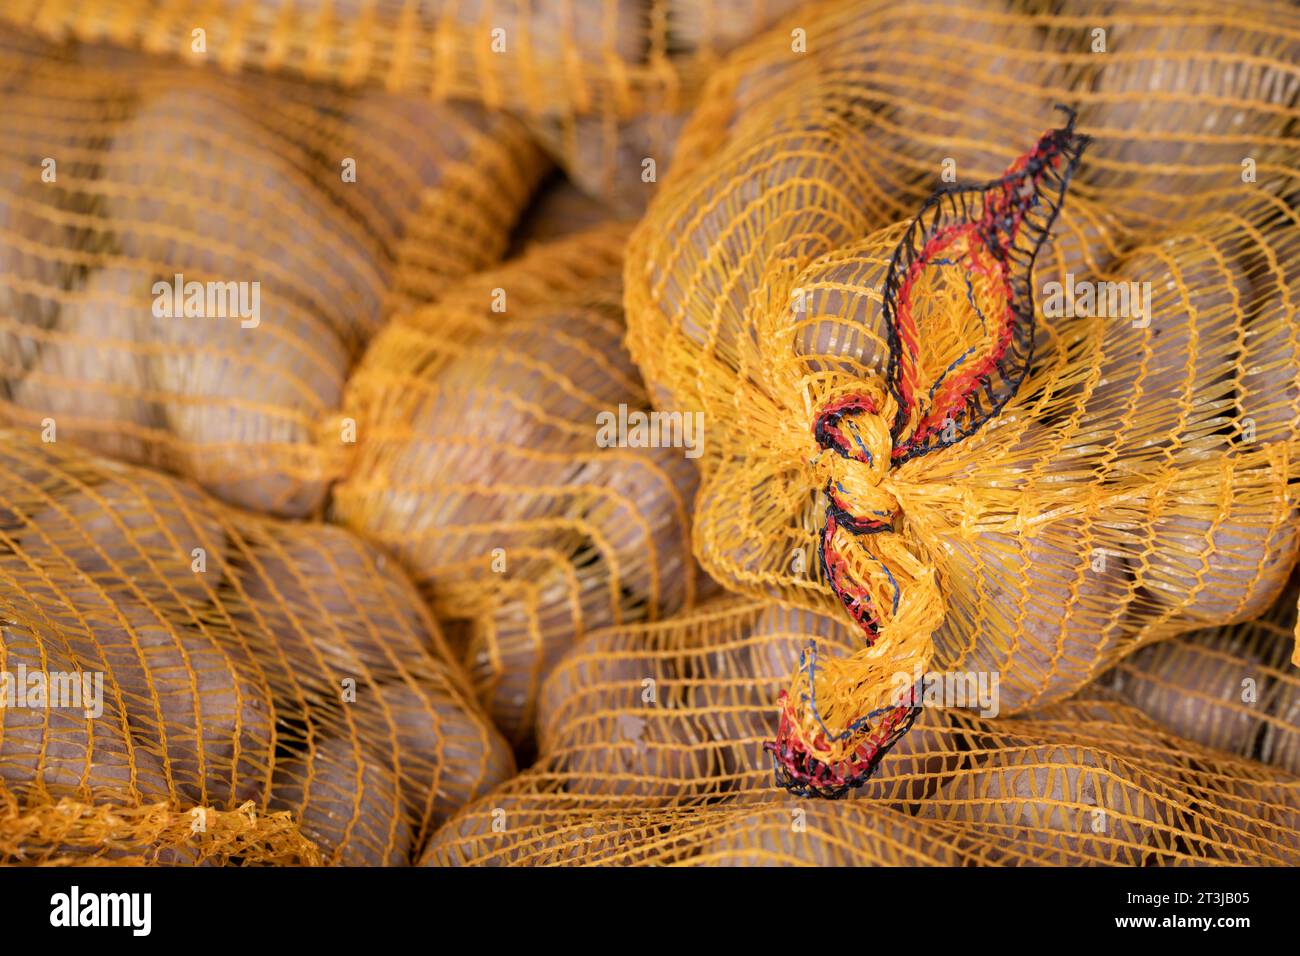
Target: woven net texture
{"x":1023,"y":427}
{"x":479,"y":466}
{"x":653,"y":754}
{"x":987,"y":311}
{"x":600,"y":82}
{"x":192,"y":263}
{"x":187,"y":683}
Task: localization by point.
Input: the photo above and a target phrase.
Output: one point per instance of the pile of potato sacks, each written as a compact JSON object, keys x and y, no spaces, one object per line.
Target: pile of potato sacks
{"x":169,"y":472}
{"x":364,"y":588}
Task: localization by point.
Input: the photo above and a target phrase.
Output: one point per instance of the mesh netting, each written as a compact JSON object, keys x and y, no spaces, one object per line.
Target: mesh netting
{"x":1029,"y":434}
{"x":653,"y":753}
{"x":480,"y":465}
{"x":219,"y":687}
{"x":995,"y":465}
{"x":1229,"y":688}
{"x":190,"y":264}
{"x":605,"y":84}
{"x":1177,"y":96}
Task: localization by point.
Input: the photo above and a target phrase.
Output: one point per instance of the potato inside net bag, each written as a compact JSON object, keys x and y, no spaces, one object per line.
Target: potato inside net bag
{"x":987,"y":465}
{"x":1231,"y":688}
{"x":495,"y":460}
{"x":192,"y":262}
{"x":667,"y":721}
{"x":1191,"y":104}
{"x":249,"y":690}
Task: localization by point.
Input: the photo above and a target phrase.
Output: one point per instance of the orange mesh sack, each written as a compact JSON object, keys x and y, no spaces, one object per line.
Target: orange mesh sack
{"x":653,"y":752}
{"x":1012,"y":430}
{"x":1229,"y":688}
{"x":604,"y":82}
{"x":491,"y":462}
{"x":182,"y":683}
{"x":189,"y":264}
{"x":1189,"y":103}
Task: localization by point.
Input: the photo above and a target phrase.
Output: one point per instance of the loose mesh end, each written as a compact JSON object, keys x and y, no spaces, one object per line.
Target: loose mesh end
{"x":799,"y":772}
{"x":72,"y":832}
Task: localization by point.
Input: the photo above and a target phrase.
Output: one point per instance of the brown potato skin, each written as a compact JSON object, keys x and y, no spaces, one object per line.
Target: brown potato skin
{"x":346,"y":802}
{"x":1063,"y":800}
{"x":93,"y":379}
{"x":61,"y":752}
{"x":262,"y":218}
{"x":138,"y":532}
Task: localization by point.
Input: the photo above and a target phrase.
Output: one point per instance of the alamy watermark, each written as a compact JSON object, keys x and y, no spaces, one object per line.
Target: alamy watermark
{"x":133,"y":911}
{"x":1102,"y":300}
{"x":53,"y":690}
{"x":638,"y":429}
{"x":976,"y":690}
{"x":208,"y":300}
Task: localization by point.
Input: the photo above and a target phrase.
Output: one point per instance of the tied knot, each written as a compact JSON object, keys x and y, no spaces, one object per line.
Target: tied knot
{"x":856,"y":452}
{"x":960,"y":345}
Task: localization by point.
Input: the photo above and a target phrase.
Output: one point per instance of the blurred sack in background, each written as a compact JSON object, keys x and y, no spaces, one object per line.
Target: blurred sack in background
{"x":193,"y":262}
{"x":247,"y":667}
{"x":600,"y":83}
